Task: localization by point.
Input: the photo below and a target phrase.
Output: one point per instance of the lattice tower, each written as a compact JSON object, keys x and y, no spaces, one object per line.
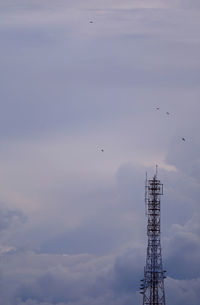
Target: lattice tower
{"x":152,"y":286}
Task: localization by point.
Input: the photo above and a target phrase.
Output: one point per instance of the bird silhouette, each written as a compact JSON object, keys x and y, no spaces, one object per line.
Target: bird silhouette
{"x":183,"y":139}
{"x":167,"y":113}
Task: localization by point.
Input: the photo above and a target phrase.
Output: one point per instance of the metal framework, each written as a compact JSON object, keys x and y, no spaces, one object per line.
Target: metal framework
{"x":152,"y":286}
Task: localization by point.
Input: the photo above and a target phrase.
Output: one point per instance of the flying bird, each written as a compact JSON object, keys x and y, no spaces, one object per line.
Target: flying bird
{"x":102,"y":150}
{"x":157,"y":108}
{"x":167,"y":113}
{"x":183,"y":139}
{"x":91,"y":21}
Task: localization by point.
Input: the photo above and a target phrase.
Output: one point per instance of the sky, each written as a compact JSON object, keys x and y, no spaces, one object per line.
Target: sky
{"x":72,"y":218}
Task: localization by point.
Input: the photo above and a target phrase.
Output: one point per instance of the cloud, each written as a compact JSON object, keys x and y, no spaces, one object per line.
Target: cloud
{"x":11,"y":222}
{"x":187,"y":4}
{"x":70,"y":88}
{"x":10,"y":218}
{"x":82,"y":279}
{"x":58,"y":279}
{"x":182,"y":291}
{"x":183,"y":250}
{"x":95,"y":221}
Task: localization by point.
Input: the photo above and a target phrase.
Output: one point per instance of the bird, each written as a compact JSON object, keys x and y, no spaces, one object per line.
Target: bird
{"x":183,"y":139}
{"x":91,"y":21}
{"x":157,"y":108}
{"x":102,"y":150}
{"x":167,"y":113}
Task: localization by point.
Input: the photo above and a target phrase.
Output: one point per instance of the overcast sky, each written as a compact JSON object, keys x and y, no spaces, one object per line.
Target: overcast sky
{"x":72,"y":222}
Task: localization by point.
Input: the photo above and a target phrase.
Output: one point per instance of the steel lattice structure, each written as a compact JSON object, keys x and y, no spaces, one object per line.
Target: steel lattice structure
{"x":152,"y":286}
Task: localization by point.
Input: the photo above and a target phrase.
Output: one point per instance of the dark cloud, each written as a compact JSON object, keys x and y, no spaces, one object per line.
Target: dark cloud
{"x":69,"y":280}
{"x":82,"y":279}
{"x":10,"y":218}
{"x":127,"y":271}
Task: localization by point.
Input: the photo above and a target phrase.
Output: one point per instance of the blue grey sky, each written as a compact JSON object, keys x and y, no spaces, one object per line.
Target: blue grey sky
{"x":72,"y":222}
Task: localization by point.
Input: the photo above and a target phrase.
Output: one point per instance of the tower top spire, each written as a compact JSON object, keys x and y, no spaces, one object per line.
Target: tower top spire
{"x":156,"y":170}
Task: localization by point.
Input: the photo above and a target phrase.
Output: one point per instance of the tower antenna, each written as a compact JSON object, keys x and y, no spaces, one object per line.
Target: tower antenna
{"x":156,"y":170}
{"x":146,"y":195}
{"x":152,"y":285}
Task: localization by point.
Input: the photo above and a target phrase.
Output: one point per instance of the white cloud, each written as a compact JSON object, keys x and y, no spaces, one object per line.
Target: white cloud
{"x":182,"y":291}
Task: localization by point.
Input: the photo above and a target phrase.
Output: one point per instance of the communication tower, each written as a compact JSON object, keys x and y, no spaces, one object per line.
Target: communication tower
{"x":152,"y":286}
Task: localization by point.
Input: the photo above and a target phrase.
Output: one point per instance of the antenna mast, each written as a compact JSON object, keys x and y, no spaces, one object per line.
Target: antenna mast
{"x":152,"y":286}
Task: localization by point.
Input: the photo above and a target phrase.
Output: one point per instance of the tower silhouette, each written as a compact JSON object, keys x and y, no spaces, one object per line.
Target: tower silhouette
{"x":152,"y":285}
